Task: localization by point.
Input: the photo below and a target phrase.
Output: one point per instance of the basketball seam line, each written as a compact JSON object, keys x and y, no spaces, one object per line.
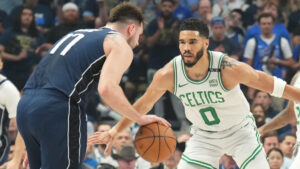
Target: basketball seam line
{"x":166,"y":140}
{"x":152,"y":141}
{"x":158,"y":142}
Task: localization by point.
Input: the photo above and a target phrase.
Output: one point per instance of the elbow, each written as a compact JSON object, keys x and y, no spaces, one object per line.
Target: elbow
{"x":104,"y":90}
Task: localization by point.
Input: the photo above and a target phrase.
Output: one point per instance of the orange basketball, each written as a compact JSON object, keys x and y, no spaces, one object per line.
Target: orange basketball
{"x":155,"y":142}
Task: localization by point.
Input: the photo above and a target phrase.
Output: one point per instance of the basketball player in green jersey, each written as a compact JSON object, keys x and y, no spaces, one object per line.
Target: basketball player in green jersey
{"x":284,"y":117}
{"x":207,"y":83}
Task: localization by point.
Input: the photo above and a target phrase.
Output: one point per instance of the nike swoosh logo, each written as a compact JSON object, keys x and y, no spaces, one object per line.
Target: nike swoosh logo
{"x":182,"y":85}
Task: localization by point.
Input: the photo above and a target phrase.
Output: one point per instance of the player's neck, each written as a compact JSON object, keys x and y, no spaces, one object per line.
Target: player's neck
{"x":200,"y":69}
{"x":116,"y":28}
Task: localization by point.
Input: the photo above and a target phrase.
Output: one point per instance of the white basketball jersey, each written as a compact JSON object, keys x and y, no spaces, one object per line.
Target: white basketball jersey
{"x":208,"y":104}
{"x":297,"y":109}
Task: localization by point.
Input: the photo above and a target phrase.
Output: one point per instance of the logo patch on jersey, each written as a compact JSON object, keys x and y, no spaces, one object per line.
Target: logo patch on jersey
{"x":182,"y":85}
{"x":213,"y":82}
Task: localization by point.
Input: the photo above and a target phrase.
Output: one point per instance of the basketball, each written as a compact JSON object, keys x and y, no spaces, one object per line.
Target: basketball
{"x":155,"y":142}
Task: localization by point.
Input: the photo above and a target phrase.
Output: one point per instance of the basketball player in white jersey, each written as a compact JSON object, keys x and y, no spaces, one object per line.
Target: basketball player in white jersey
{"x":9,"y":98}
{"x":207,"y":83}
{"x":284,"y":117}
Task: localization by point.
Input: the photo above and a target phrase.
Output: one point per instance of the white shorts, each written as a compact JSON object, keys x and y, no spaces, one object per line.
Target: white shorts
{"x":204,"y":149}
{"x":296,"y":162}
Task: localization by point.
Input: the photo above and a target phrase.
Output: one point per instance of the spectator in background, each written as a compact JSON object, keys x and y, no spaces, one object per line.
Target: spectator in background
{"x":181,"y":13}
{"x":70,"y":22}
{"x":192,"y":5}
{"x":205,"y":11}
{"x":126,"y":158}
{"x":265,"y":100}
{"x":259,"y":114}
{"x":255,"y":8}
{"x":219,"y":42}
{"x":44,"y":14}
{"x":103,"y":14}
{"x":270,"y":140}
{"x":235,"y":30}
{"x":269,"y":52}
{"x":275,"y":157}
{"x":223,"y":7}
{"x":279,"y":29}
{"x":17,"y":46}
{"x":149,"y":8}
{"x":294,"y":21}
{"x":286,"y":145}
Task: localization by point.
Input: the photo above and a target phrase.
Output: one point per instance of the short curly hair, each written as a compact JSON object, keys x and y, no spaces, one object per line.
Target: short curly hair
{"x":195,"y":24}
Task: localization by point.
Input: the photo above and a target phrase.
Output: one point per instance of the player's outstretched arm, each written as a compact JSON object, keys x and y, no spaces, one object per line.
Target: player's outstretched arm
{"x":234,"y":72}
{"x":282,"y":119}
{"x":162,"y":81}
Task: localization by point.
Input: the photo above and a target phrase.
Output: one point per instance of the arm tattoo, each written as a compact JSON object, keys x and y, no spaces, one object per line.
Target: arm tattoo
{"x":228,"y":62}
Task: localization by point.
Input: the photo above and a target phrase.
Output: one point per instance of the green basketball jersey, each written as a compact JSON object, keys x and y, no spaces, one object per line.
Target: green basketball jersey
{"x":208,"y":104}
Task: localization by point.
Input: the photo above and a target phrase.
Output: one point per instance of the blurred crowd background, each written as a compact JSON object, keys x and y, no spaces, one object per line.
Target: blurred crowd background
{"x":263,"y":33}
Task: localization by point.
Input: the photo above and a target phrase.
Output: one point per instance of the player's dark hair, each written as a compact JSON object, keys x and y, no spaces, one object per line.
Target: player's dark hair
{"x":265,"y":15}
{"x":275,"y":149}
{"x":195,"y":24}
{"x":125,"y":12}
{"x":289,"y":134}
{"x":270,"y":134}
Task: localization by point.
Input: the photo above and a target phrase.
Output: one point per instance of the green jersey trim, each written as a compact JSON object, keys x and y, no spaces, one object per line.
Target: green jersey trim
{"x":196,"y":162}
{"x":207,"y":75}
{"x":175,"y":76}
{"x":220,"y":76}
{"x":257,"y":150}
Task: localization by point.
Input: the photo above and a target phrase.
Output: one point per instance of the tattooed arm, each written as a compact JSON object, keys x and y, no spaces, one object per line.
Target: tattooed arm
{"x":234,"y":72}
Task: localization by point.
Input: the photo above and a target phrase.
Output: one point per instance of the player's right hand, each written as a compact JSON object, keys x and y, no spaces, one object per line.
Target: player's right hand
{"x":147,"y":119}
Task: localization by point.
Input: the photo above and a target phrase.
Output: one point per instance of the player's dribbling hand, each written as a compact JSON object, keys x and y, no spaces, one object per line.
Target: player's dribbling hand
{"x":147,"y":119}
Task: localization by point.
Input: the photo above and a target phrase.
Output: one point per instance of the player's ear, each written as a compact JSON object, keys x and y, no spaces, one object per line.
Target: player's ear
{"x":131,"y":29}
{"x":206,"y":43}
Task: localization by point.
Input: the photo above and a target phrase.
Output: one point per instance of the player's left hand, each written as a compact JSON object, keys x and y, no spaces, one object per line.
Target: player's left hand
{"x":102,"y":138}
{"x":99,"y":138}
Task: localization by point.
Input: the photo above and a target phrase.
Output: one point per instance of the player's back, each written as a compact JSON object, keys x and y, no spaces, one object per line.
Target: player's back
{"x":72,"y":64}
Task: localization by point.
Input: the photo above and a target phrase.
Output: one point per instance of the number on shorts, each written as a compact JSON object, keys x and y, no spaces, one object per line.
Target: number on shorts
{"x":209,"y":110}
{"x":77,"y":36}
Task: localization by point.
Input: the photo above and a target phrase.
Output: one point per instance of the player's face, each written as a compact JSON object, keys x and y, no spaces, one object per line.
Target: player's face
{"x":270,"y":142}
{"x":287,"y":145}
{"x":133,"y":39}
{"x":275,"y":160}
{"x":192,"y":47}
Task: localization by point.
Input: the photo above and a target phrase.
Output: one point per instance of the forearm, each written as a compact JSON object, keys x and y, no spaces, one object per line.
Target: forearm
{"x":8,"y":56}
{"x":19,"y":149}
{"x":279,"y":121}
{"x":286,"y":63}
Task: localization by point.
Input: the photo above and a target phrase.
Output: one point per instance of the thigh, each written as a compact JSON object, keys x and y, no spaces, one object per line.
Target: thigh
{"x":201,"y":153}
{"x":296,"y":162}
{"x":247,"y":149}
